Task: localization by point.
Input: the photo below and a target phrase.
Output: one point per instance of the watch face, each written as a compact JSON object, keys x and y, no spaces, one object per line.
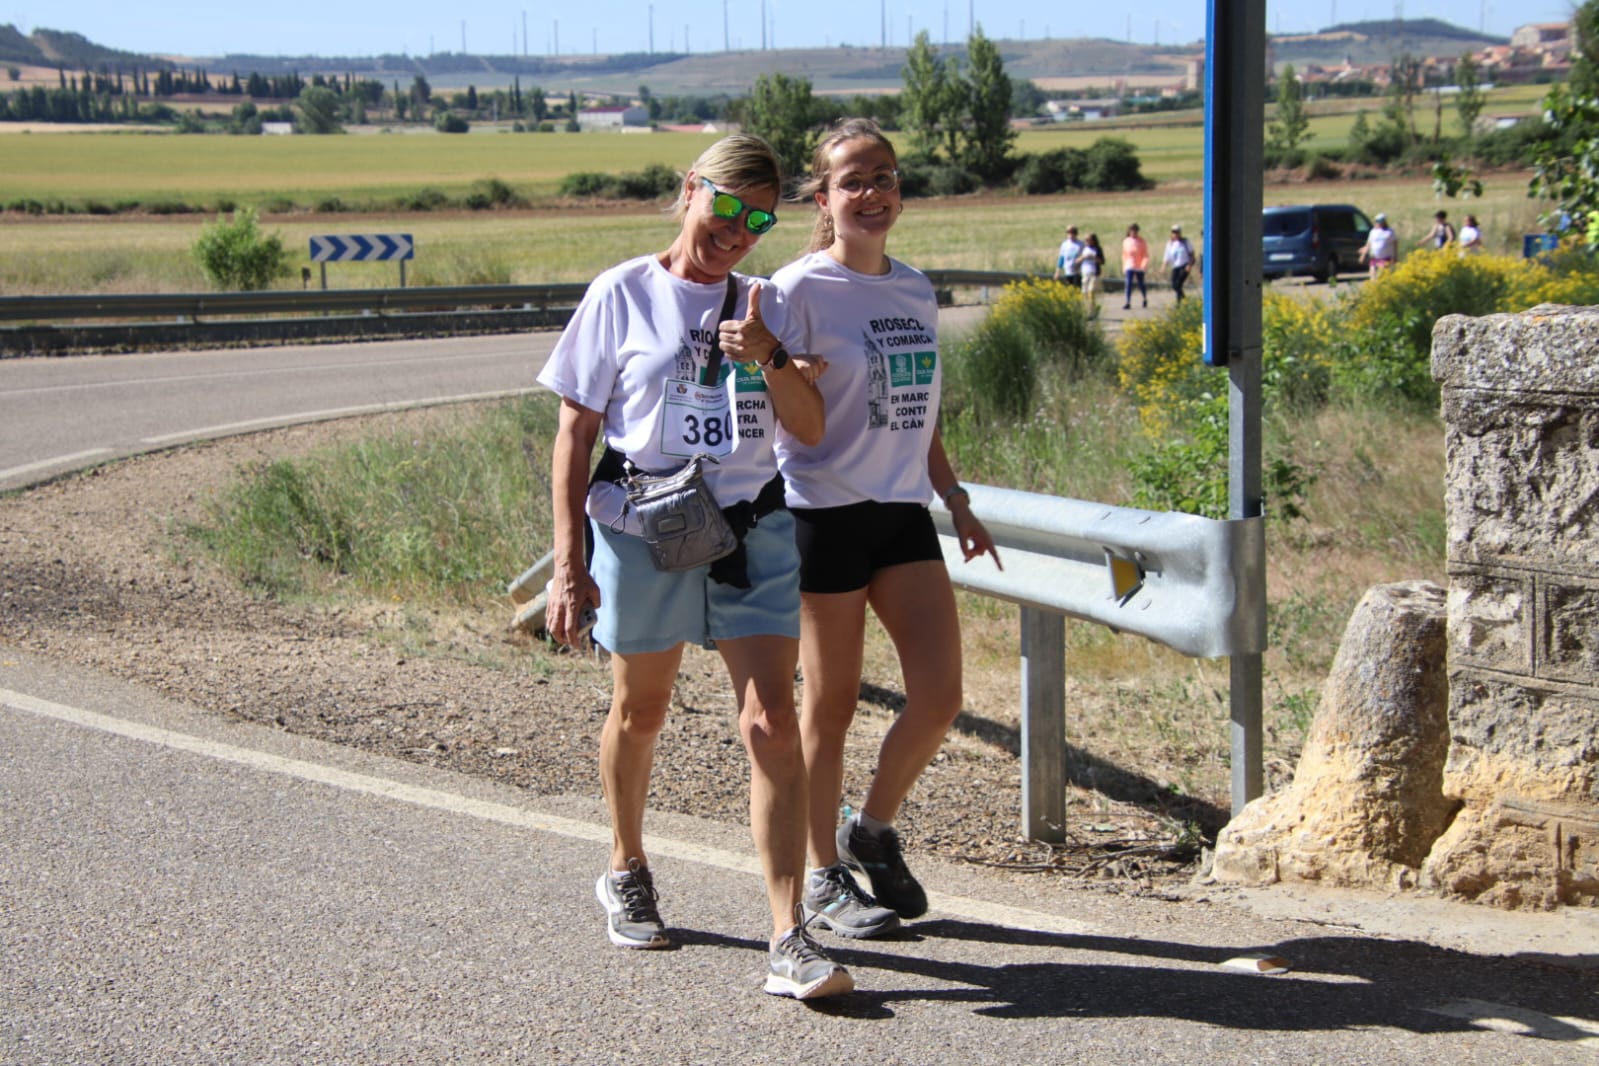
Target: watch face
{"x":779,"y":358}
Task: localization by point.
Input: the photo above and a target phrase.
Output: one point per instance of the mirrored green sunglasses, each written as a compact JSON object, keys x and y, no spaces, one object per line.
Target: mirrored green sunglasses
{"x":726,"y":205}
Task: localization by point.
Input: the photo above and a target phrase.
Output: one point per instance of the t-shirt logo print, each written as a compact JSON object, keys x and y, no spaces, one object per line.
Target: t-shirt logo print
{"x":876,"y":385}
{"x":686,"y":363}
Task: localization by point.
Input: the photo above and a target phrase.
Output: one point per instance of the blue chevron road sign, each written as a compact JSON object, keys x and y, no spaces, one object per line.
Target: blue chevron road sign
{"x":369,"y":247}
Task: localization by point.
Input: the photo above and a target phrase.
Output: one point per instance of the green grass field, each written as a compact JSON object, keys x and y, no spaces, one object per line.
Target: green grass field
{"x":551,"y":242}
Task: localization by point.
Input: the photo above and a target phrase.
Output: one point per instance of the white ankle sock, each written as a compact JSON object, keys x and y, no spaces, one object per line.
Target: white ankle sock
{"x":872,"y":825}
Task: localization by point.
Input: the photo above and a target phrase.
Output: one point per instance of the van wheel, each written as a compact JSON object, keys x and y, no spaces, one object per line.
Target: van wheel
{"x":1328,"y":268}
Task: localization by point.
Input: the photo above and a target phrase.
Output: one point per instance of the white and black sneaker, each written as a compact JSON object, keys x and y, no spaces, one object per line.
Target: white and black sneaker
{"x":834,"y":901}
{"x":632,"y":920}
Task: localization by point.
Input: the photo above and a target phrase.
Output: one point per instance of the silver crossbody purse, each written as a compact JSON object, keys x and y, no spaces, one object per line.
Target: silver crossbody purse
{"x":681,"y":521}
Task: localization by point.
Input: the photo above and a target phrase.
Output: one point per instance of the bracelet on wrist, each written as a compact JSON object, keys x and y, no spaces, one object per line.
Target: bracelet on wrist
{"x":955,"y":490}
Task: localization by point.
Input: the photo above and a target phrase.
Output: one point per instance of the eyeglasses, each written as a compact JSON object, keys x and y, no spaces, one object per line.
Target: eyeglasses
{"x":883,"y":181}
{"x":726,"y":205}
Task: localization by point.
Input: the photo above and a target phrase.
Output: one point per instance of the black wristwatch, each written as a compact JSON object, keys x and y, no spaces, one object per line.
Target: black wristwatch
{"x":778,"y":359}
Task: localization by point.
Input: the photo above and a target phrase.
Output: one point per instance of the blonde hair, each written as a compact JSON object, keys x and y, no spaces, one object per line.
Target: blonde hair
{"x":737,"y":161}
{"x":849,"y":129}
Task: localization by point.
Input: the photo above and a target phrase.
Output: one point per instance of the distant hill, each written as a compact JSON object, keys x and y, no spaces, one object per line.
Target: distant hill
{"x":1377,"y":42}
{"x":843,"y":68}
{"x":73,"y":51}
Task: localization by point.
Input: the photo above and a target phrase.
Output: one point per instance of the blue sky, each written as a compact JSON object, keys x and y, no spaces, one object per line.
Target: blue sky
{"x":416,"y":27}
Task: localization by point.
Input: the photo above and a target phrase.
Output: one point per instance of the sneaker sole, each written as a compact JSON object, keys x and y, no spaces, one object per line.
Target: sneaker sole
{"x":852,"y":932}
{"x":655,"y":942}
{"x":837,"y":983}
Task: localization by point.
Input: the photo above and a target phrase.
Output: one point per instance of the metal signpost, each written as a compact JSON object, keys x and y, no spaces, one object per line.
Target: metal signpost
{"x":362,"y":248}
{"x":1235,"y":105}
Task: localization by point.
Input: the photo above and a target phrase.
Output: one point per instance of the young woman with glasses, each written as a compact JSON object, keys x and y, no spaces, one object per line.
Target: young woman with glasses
{"x":860,"y":497}
{"x":631,"y":365}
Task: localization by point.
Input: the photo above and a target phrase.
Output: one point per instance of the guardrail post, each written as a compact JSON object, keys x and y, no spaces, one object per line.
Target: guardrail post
{"x":1043,"y":725}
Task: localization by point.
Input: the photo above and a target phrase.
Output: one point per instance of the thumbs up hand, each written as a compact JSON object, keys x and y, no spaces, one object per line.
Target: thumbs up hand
{"x":748,"y":340}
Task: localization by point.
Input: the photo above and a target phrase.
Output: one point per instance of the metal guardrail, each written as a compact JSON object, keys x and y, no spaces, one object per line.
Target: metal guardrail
{"x":1195,"y":584}
{"x":194,"y":306}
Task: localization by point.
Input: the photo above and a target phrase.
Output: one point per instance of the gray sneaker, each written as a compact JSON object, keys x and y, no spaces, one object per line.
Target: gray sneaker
{"x":798,"y":967}
{"x":629,"y":901}
{"x":834,"y":901}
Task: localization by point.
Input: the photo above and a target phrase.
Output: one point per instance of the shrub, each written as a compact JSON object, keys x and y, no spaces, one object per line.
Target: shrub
{"x":450,"y":122}
{"x":1050,"y":172}
{"x":237,"y":256}
{"x":920,"y":177}
{"x":652,"y":183}
{"x":991,"y":373}
{"x":498,"y":193}
{"x":425,"y":199}
{"x":1054,"y":317}
{"x":1034,"y":326}
{"x":1386,"y":347}
{"x":1296,"y":357}
{"x":1190,"y":472}
{"x":1112,"y":164}
{"x":168,"y":207}
{"x":1160,"y":363}
{"x":587,"y":183}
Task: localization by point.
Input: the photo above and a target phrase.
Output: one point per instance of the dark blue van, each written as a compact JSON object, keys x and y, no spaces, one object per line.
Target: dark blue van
{"x":1315,"y":239}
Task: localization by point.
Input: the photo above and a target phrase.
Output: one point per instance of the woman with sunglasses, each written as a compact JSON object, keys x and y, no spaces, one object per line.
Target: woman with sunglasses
{"x":631,"y":365}
{"x":860,"y":497}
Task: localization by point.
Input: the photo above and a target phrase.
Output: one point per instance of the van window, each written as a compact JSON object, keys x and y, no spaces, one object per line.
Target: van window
{"x":1285,"y":223}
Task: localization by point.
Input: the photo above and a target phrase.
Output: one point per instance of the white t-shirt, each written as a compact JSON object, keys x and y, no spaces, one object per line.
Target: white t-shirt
{"x":1380,"y":243}
{"x":634,"y":350}
{"x":879,"y":333}
{"x":1070,"y":249}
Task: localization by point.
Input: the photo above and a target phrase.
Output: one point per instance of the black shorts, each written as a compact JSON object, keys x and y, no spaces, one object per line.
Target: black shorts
{"x":842,"y":547}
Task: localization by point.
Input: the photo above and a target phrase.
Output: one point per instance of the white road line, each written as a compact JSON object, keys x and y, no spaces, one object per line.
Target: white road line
{"x":1519,"y":1021}
{"x":59,"y":460}
{"x":275,"y":370}
{"x":502,"y":813}
{"x":330,"y":413}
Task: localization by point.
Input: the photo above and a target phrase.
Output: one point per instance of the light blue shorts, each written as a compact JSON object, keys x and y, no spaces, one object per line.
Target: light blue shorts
{"x":645,"y":610}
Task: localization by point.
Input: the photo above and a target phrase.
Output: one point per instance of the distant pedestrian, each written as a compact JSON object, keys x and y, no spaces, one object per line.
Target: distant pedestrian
{"x":1090,"y":265}
{"x":1381,"y":246}
{"x":1178,"y":259}
{"x":1470,"y":236}
{"x":1442,"y":234}
{"x":1066,"y":260}
{"x":1135,"y":261}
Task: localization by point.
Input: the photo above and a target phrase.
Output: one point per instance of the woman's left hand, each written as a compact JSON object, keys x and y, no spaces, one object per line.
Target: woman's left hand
{"x":810,"y":367}
{"x":747,"y":340}
{"x":973,"y":535}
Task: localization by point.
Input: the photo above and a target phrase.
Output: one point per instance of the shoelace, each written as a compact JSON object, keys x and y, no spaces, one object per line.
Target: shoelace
{"x":799,"y":944}
{"x":846,"y":886}
{"x":638,"y":894}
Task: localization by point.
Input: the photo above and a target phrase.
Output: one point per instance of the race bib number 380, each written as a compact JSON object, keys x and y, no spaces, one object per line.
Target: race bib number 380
{"x":695,"y":419}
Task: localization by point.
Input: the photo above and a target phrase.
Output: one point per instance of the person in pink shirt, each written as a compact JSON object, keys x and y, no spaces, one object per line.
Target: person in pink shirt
{"x":1135,"y":260}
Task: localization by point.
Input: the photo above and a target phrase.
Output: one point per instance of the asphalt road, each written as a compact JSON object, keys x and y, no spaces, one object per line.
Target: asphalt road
{"x":62,"y":414}
{"x":179,"y":889}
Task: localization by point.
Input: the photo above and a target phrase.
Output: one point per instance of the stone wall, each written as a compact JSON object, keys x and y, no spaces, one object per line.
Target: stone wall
{"x":1521,"y":413}
{"x":1495,"y":797}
